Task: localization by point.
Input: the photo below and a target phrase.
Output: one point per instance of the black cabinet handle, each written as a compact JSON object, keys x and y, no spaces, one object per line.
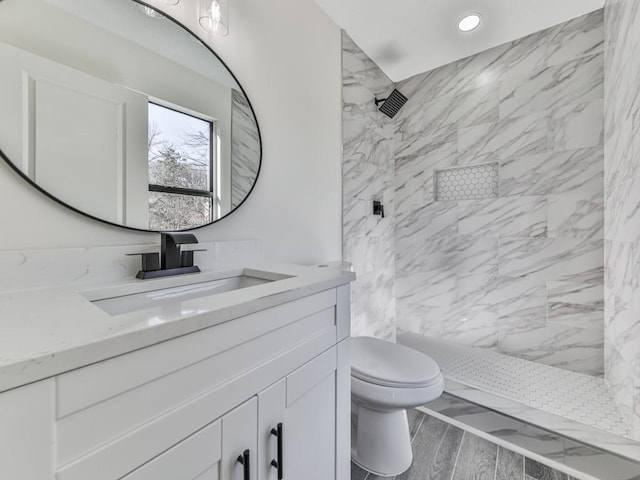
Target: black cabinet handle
{"x":244,"y":461}
{"x":278,"y":463}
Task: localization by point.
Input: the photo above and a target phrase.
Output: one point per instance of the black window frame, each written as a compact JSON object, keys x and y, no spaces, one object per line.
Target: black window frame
{"x":191,"y":191}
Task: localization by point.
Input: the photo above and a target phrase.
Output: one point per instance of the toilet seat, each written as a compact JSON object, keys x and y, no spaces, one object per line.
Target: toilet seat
{"x":386,"y":379}
{"x":388,"y":364}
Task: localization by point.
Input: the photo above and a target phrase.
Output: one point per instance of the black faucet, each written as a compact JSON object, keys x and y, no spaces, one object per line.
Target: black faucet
{"x":170,"y":255}
{"x":172,"y":260}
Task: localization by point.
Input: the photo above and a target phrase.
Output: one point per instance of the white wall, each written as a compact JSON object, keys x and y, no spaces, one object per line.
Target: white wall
{"x":286,"y":54}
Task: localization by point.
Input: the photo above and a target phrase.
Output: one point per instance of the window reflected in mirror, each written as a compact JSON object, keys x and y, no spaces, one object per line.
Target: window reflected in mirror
{"x":181,"y":149}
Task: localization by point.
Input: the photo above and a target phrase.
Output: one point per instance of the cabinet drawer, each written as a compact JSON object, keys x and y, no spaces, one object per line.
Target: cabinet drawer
{"x":26,"y":432}
{"x":310,"y":374}
{"x":89,"y":385}
{"x":191,"y":459}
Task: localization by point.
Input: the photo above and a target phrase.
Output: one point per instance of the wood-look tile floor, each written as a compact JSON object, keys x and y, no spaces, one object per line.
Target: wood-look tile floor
{"x":444,"y":452}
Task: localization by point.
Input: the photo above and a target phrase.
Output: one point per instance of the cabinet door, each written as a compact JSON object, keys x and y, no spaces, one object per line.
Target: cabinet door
{"x":27,"y":432}
{"x":310,"y":438}
{"x":239,"y":441}
{"x":271,"y":412}
{"x":305,"y":404}
{"x":195,"y":458}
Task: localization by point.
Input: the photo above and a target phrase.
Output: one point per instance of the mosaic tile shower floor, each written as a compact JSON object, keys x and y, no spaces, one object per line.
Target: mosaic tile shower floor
{"x":581,"y":398}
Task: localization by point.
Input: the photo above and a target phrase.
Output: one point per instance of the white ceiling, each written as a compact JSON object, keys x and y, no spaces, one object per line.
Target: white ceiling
{"x":407,"y":37}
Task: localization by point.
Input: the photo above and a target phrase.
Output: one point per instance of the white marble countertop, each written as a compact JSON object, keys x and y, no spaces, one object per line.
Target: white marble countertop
{"x":45,"y":332}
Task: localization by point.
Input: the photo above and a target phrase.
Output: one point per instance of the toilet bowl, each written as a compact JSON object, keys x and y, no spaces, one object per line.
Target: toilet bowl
{"x":386,"y":379}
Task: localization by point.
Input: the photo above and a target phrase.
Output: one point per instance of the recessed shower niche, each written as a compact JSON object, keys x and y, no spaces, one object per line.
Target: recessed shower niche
{"x":473,"y":182}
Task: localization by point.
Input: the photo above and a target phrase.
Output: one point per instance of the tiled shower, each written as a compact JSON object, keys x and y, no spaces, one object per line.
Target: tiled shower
{"x":492,"y":179}
{"x":520,"y":270}
{"x":507,"y":251}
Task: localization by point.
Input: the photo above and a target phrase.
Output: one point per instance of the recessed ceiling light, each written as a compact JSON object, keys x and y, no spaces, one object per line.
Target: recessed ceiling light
{"x":469,"y":22}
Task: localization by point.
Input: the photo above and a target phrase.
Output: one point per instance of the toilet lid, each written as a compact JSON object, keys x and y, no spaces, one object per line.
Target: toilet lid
{"x":391,"y":365}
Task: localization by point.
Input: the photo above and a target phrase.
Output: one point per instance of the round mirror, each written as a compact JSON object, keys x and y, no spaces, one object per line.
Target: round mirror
{"x":122,"y":114}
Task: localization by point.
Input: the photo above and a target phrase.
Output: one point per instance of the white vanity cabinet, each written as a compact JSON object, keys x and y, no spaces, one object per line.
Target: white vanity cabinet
{"x":188,"y":408}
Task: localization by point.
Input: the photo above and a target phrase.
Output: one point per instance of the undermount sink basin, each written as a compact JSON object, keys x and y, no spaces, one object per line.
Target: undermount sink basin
{"x":128,"y":303}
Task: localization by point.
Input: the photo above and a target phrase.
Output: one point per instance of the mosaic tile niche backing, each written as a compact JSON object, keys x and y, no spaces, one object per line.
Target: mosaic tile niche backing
{"x":467,"y":183}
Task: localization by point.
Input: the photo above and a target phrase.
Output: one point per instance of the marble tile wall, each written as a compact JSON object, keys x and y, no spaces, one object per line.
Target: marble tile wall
{"x":368,"y":170}
{"x":522,"y":273}
{"x":245,"y":148}
{"x":621,"y":205}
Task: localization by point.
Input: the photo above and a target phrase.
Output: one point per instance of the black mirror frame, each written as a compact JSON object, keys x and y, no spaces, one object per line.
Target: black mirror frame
{"x":76,"y":210}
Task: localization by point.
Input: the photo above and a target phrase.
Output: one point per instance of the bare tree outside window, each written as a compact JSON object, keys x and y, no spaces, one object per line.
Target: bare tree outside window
{"x":180,"y":170}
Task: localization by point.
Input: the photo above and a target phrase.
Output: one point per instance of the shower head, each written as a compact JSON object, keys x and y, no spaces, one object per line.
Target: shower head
{"x":392,"y":104}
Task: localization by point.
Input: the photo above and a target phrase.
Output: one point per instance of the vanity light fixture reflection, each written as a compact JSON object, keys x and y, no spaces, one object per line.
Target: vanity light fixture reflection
{"x":150,"y":11}
{"x":214,"y":16}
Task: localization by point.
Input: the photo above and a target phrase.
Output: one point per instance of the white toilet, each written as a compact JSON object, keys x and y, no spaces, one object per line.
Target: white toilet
{"x":386,"y":379}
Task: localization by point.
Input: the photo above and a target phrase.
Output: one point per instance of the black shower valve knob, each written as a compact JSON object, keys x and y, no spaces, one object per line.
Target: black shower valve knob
{"x":378,"y":208}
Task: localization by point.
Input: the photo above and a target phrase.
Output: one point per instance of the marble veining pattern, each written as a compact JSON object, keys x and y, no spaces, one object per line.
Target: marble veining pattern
{"x":495,"y":273}
{"x":578,"y":126}
{"x":463,"y":254}
{"x":245,"y":148}
{"x":577,"y":38}
{"x":549,"y":344}
{"x":576,"y":215}
{"x":575,"y":304}
{"x":553,"y":173}
{"x":569,"y":83}
{"x":518,"y":217}
{"x":504,"y":139}
{"x":368,"y":166}
{"x":470,"y":107}
{"x":553,"y":259}
{"x":622,"y":205}
{"x":414,"y":182}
